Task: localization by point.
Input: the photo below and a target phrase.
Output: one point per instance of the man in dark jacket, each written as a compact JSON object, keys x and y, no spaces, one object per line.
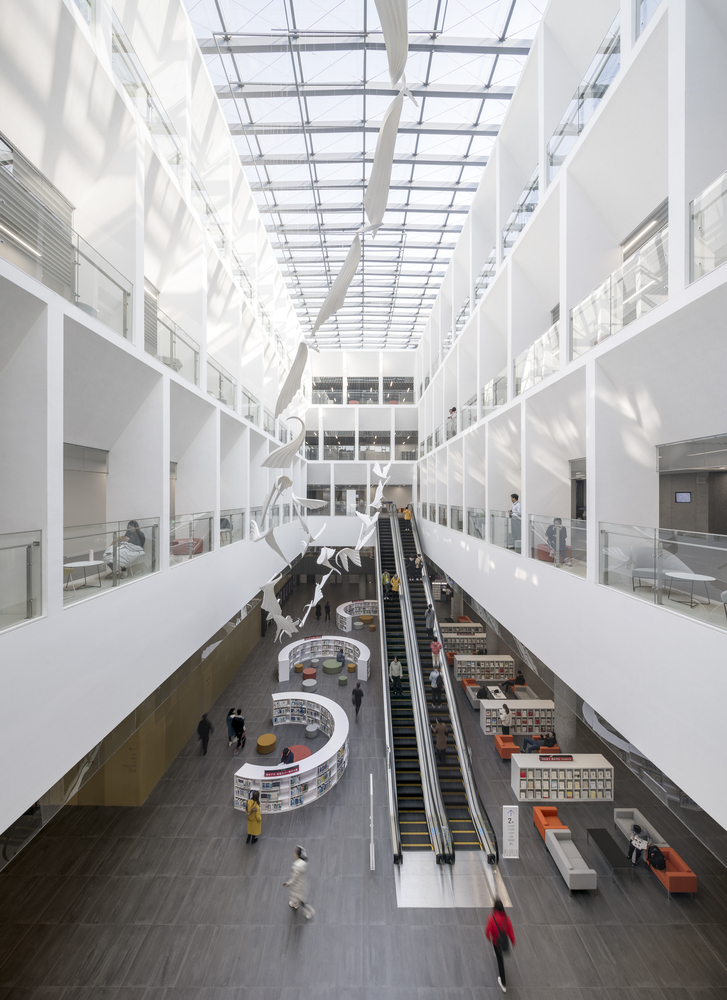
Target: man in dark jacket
{"x":238,"y":724}
{"x":204,"y":729}
{"x":357,"y":698}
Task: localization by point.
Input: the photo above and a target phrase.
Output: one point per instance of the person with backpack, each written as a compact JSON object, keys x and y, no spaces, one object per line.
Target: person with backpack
{"x":654,"y":858}
{"x":500,"y":934}
{"x":238,"y":724}
{"x":298,"y":883}
{"x":639,"y":842}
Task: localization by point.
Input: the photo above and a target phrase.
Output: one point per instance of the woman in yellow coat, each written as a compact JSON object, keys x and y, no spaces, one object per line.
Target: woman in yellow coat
{"x":253,"y":818}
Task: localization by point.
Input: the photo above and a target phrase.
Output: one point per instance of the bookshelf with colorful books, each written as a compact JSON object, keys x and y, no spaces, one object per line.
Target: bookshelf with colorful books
{"x":528,"y":717}
{"x":584,"y":777}
{"x":324,"y":647}
{"x":346,"y":614}
{"x":462,"y":628}
{"x":283,"y":787}
{"x":484,"y":668}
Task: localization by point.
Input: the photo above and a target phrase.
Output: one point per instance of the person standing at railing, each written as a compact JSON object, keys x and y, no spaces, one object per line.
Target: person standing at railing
{"x":556,"y":535}
{"x":515,"y":515}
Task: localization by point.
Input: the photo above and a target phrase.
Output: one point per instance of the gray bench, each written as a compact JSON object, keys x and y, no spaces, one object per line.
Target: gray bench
{"x":623,"y":818}
{"x":575,"y":871}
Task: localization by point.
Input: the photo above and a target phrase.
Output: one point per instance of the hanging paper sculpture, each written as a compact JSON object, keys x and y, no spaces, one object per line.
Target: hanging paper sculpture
{"x":294,"y":379}
{"x":282,"y":458}
{"x":393,"y":15}
{"x":377,"y":190}
{"x":337,"y":293}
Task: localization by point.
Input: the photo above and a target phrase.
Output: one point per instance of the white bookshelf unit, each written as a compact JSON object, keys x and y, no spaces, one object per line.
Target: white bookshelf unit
{"x":324,"y":647}
{"x":484,"y":668}
{"x":588,"y":777}
{"x":284,"y":787}
{"x":528,"y":717}
{"x":461,"y":628}
{"x":472,"y":643}
{"x":347,"y":613}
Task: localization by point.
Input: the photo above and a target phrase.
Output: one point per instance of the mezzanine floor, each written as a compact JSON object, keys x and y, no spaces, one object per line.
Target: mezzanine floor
{"x":167,"y":902}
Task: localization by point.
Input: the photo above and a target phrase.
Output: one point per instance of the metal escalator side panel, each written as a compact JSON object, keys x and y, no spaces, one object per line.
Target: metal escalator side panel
{"x":436,"y":814}
{"x":483,"y":826}
{"x":391,"y":786}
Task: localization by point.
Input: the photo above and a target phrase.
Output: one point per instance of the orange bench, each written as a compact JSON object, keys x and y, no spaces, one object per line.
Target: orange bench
{"x":506,"y":746}
{"x":546,"y":818}
{"x":468,"y":682}
{"x":677,"y":876}
{"x":464,"y":618}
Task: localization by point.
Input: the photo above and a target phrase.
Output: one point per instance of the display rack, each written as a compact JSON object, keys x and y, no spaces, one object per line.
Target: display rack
{"x":347,"y":613}
{"x":324,"y":647}
{"x":473,"y":643}
{"x":306,"y":780}
{"x":461,"y":628}
{"x":584,"y":778}
{"x":528,"y":717}
{"x":484,"y":668}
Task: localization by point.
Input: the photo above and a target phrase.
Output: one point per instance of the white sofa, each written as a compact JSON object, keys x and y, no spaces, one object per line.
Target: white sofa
{"x":576,"y":873}
{"x":623,"y":818}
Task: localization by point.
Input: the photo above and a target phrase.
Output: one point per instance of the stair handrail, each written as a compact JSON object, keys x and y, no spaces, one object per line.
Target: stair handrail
{"x":439,"y":829}
{"x":388,"y":722}
{"x":485,"y":831}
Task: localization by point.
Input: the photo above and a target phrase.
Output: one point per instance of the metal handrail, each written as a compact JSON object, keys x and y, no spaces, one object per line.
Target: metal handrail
{"x":485,"y":831}
{"x":388,"y":724}
{"x":439,"y":829}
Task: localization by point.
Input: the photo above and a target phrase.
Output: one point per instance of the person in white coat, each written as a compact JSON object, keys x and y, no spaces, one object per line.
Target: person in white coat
{"x":298,"y":883}
{"x":505,"y":719}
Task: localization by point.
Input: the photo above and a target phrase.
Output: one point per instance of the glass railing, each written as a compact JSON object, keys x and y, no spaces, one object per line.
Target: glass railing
{"x":286,"y":513}
{"x":429,"y":443}
{"x":591,"y":91}
{"x":637,"y":287}
{"x":708,"y":235}
{"x":338,"y":451}
{"x":173,"y":347}
{"x":406,"y":451}
{"x":494,"y":393}
{"x":438,"y":436}
{"x":421,"y":448}
{"x":560,"y":542}
{"x":451,"y":426}
{"x":363,"y":394}
{"x":327,"y":391}
{"x":232,"y":525}
{"x":462,"y":317}
{"x":487,"y":273}
{"x":220,"y":384}
{"x":399,"y":390}
{"x":256,"y":515}
{"x":421,"y":390}
{"x":433,"y":513}
{"x":190,"y":535}
{"x":268,"y":422}
{"x":97,"y":557}
{"x":250,"y":407}
{"x":45,"y":247}
{"x":132,"y":77}
{"x":469,"y":412}
{"x":521,"y":213}
{"x":86,"y":9}
{"x":443,"y":514}
{"x":348,"y":508}
{"x":646,"y":11}
{"x":455,"y":519}
{"x":539,"y":361}
{"x":447,"y":342}
{"x":20,"y":577}
{"x":505,"y":530}
{"x":282,"y":433}
{"x":311,"y":450}
{"x":374,"y":452}
{"x":426,"y":381}
{"x":681,"y":570}
{"x":477,"y":523}
{"x":435,"y":364}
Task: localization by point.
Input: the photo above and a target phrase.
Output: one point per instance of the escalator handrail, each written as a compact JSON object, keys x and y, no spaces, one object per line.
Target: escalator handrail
{"x":483,"y":826}
{"x":388,"y":723}
{"x":437,"y":821}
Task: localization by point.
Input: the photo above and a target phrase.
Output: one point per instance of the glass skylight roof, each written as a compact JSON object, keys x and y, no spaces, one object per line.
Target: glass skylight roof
{"x":304,"y":85}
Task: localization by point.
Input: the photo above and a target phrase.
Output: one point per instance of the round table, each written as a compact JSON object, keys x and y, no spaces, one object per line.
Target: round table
{"x":358,"y":626}
{"x":310,"y":684}
{"x":692,"y":578}
{"x":366,"y":619}
{"x":309,"y":673}
{"x":332,"y":666}
{"x":315,"y":660}
{"x":266,"y":743}
{"x":299,"y":752}
{"x":311,"y":731}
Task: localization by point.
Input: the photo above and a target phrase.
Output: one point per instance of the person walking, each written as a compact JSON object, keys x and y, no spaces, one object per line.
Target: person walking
{"x":430,"y":620}
{"x":253,"y":818}
{"x":318,"y":611}
{"x":328,"y":611}
{"x":238,"y":724}
{"x":230,"y":727}
{"x":505,"y":719}
{"x":435,"y":681}
{"x":204,"y":730}
{"x":298,"y":883}
{"x":500,"y":934}
{"x":440,"y":731}
{"x":357,"y":698}
{"x":386,"y":584}
{"x":395,"y":672}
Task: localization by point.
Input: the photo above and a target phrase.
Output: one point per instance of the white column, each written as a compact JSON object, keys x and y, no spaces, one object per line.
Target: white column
{"x":164,"y":473}
{"x":52,"y":550}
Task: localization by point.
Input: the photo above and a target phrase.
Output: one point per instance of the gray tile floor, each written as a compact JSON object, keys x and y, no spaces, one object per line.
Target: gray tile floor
{"x":167,"y":902}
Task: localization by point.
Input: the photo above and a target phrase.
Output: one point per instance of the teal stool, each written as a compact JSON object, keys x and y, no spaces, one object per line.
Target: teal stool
{"x":343,"y":680}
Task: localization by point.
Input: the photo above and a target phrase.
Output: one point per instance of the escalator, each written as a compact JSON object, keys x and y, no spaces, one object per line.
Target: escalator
{"x":468,"y":821}
{"x":413,"y":826}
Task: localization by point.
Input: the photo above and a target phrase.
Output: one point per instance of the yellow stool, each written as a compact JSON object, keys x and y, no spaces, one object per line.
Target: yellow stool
{"x":366,"y":619}
{"x":266,"y":743}
{"x":299,"y":668}
{"x":372,"y":627}
{"x":352,"y":668}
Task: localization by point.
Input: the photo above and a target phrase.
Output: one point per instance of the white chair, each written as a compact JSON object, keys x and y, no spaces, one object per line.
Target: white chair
{"x":643,"y":565}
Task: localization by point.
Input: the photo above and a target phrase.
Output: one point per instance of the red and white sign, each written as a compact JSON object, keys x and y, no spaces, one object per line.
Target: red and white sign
{"x":555,"y":756}
{"x":283,"y":771}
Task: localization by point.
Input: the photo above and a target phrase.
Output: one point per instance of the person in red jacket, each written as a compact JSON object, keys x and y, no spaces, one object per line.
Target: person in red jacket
{"x":497,"y":932}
